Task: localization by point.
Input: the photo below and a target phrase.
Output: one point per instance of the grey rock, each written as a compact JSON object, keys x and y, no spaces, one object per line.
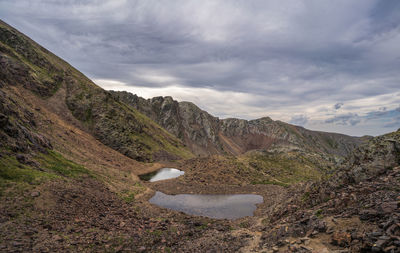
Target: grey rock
{"x":35,"y":194}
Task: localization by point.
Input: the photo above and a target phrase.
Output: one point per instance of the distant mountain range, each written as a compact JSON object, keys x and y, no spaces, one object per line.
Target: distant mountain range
{"x":205,"y":134}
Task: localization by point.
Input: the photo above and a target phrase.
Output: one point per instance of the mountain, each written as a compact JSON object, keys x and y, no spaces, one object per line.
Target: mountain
{"x":25,"y":63}
{"x":205,"y":134}
{"x":71,"y":153}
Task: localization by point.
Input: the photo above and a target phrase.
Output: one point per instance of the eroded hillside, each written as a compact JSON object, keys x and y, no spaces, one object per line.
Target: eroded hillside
{"x":26,"y":64}
{"x":206,"y":134}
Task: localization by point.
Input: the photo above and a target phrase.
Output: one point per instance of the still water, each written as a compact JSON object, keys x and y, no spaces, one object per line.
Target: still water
{"x":162,"y":174}
{"x":218,"y":206}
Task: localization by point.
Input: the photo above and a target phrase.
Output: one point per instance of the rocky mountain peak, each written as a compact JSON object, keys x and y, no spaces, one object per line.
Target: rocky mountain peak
{"x":205,"y":134}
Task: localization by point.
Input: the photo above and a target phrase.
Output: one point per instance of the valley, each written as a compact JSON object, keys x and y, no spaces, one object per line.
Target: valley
{"x":72,"y":156}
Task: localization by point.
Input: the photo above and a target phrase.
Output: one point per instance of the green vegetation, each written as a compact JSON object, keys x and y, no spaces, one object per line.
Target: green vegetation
{"x":42,"y":77}
{"x":244,"y":224}
{"x":270,"y":182}
{"x":283,"y":169}
{"x":319,"y":214}
{"x":148,"y":176}
{"x":331,"y":142}
{"x":55,"y":162}
{"x":51,"y":166}
{"x":120,"y":126}
{"x":305,"y":197}
{"x":129,"y":195}
{"x":156,"y":138}
{"x":12,"y":170}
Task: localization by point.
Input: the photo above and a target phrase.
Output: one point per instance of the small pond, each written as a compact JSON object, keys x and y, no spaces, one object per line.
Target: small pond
{"x":218,"y":206}
{"x":162,"y":174}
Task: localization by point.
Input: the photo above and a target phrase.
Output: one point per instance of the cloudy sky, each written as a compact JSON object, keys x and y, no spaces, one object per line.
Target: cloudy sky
{"x":326,"y":65}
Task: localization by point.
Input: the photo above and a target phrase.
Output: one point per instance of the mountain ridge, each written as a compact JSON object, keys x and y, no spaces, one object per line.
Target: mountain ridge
{"x":24,"y":62}
{"x":206,"y":134}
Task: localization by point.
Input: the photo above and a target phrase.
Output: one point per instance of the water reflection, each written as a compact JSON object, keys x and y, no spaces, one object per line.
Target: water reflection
{"x":218,"y":206}
{"x":162,"y":174}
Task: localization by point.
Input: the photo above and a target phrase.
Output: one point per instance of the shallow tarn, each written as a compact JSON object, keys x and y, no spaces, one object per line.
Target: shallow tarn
{"x":217,"y":206}
{"x":162,"y":174}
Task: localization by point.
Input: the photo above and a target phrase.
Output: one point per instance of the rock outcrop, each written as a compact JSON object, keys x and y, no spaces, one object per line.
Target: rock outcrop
{"x":206,"y":134}
{"x":358,"y":207}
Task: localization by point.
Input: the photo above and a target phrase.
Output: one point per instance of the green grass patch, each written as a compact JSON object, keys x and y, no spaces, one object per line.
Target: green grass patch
{"x":270,"y":182}
{"x":12,"y":170}
{"x":319,"y":214}
{"x":55,"y":162}
{"x":16,"y":177}
{"x":129,"y":195}
{"x":51,"y":166}
{"x":282,"y":169}
{"x":305,"y":197}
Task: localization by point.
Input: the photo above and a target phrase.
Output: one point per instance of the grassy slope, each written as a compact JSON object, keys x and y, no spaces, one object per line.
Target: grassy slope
{"x":51,"y":165}
{"x":286,"y":168}
{"x":112,"y":122}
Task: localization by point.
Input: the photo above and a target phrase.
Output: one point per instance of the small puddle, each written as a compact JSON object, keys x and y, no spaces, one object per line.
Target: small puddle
{"x":162,"y":174}
{"x":217,"y":206}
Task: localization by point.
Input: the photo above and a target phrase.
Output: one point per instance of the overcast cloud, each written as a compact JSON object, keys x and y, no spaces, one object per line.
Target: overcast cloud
{"x":326,"y":65}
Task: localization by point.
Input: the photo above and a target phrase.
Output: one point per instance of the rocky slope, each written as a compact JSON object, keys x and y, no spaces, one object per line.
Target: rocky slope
{"x":23,"y":63}
{"x":206,"y":134}
{"x":356,"y":210}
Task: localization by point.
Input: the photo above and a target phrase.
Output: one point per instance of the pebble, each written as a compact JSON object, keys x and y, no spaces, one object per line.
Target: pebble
{"x":35,"y":194}
{"x":57,"y":238}
{"x":390,"y":248}
{"x":16,"y":244}
{"x":376,"y":249}
{"x":376,"y":233}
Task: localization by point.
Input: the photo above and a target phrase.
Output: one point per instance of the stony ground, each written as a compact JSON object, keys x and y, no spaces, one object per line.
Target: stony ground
{"x":356,"y":218}
{"x":85,"y":215}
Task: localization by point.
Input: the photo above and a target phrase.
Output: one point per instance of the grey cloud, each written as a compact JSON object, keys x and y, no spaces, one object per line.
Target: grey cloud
{"x":300,"y":120}
{"x":395,"y":123}
{"x":383,"y":112}
{"x":293,"y":51}
{"x":388,"y":118}
{"x":337,"y":106}
{"x":346,"y":119}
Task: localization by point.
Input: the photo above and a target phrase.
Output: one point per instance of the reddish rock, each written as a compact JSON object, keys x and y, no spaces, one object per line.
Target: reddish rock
{"x":342,"y":239}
